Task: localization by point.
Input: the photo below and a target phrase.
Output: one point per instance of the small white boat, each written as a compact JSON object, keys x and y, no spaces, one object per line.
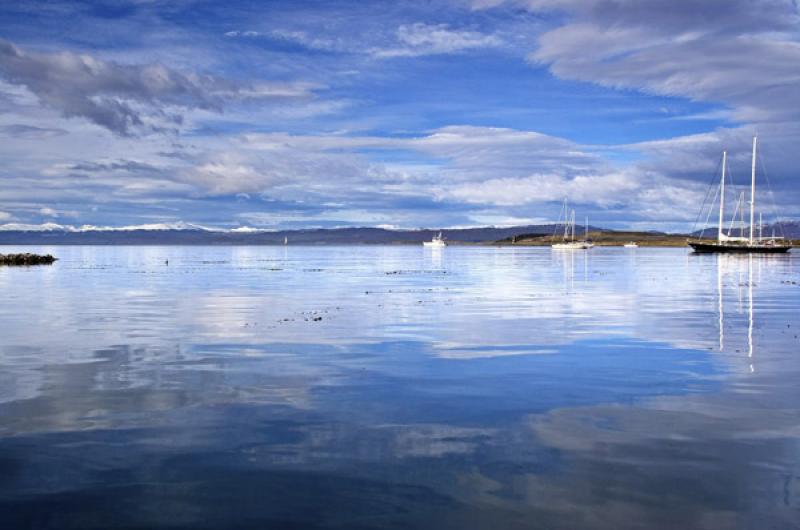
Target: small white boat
{"x":436,"y":242}
{"x":572,"y":245}
{"x":632,"y":244}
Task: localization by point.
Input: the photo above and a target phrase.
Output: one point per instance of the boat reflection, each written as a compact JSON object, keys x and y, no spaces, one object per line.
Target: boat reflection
{"x":738,"y":268}
{"x":740,"y":274}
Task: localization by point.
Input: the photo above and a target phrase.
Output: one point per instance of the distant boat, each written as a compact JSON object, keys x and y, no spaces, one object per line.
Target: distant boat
{"x":586,"y":239}
{"x":632,"y":244}
{"x":436,"y":242}
{"x":569,"y":242}
{"x":286,"y":240}
{"x":741,"y":243}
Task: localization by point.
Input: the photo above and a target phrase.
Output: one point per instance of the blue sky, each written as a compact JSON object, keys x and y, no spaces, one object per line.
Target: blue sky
{"x":436,"y":113}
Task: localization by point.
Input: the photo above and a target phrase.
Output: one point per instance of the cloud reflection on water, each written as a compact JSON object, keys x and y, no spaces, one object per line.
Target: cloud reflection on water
{"x":480,"y":386}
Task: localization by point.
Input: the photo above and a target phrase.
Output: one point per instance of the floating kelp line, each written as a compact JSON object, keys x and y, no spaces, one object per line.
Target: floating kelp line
{"x":26,"y":259}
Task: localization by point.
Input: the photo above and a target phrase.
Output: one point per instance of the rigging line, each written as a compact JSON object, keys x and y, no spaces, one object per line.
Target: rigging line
{"x":558,"y":228}
{"x":705,"y":199}
{"x":739,"y":201}
{"x":731,"y":184}
{"x":771,"y":197}
{"x":713,"y":201}
{"x":730,"y":189}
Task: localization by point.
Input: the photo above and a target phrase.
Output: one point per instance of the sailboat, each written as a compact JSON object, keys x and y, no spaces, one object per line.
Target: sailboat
{"x":741,"y":243}
{"x":569,"y":242}
{"x":436,"y":242}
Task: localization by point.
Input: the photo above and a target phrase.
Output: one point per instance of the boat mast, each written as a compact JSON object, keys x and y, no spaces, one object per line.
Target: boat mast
{"x":573,"y":225}
{"x":586,"y":229}
{"x":753,"y":190}
{"x":722,"y":195}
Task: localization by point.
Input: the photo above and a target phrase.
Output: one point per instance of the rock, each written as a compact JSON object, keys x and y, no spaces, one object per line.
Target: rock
{"x":26,"y":259}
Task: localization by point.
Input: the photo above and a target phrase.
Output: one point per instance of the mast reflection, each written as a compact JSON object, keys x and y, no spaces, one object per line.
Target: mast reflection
{"x":734,"y":264}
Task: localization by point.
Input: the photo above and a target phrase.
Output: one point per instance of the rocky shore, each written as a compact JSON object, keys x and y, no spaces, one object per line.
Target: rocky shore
{"x":26,"y":259}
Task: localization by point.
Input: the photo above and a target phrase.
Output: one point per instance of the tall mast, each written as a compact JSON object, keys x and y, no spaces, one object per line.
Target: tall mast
{"x":573,"y":226}
{"x":586,"y":229}
{"x":722,"y":195}
{"x":753,"y":190}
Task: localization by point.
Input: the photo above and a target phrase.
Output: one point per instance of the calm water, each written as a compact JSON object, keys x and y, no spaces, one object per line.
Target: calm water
{"x":396,"y":387}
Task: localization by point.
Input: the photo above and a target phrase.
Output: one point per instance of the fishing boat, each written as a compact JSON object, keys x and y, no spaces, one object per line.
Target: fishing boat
{"x":741,"y":243}
{"x":569,"y":242}
{"x":436,"y":242}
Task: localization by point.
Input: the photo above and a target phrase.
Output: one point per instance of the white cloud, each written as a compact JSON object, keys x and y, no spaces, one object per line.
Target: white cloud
{"x":30,"y":132}
{"x":124,"y":98}
{"x":602,"y":190}
{"x":740,"y":53}
{"x":314,"y":42}
{"x":486,"y":168}
{"x":425,"y":39}
{"x":241,"y":33}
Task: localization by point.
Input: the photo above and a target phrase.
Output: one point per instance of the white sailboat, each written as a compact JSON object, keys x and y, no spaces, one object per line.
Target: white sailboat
{"x":569,"y":242}
{"x":631,"y":244}
{"x":740,"y":243}
{"x":436,"y":242}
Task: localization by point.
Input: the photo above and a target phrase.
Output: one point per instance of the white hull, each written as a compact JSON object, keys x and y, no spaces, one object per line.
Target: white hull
{"x":572,"y":245}
{"x":630,"y":245}
{"x":436,"y":242}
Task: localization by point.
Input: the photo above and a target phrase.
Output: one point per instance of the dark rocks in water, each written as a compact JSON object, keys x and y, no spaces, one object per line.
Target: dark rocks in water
{"x":26,"y":259}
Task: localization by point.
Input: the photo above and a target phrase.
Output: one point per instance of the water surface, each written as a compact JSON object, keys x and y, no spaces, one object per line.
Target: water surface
{"x":398,"y":387}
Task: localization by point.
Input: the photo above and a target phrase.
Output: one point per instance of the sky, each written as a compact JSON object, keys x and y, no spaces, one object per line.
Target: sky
{"x":403,"y":114}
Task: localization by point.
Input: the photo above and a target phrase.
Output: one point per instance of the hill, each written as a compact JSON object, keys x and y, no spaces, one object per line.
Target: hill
{"x":605,"y":238}
{"x":187,"y":234}
{"x":194,"y":235}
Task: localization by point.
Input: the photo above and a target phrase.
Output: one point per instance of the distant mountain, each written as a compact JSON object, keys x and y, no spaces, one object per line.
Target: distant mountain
{"x":54,"y":227}
{"x":189,"y":234}
{"x":193,"y":234}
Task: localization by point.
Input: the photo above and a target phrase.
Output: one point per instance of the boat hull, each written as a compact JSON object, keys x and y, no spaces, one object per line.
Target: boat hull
{"x":572,"y":246}
{"x":730,"y":248}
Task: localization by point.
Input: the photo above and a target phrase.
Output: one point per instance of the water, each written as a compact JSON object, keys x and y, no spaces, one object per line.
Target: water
{"x":396,"y":387}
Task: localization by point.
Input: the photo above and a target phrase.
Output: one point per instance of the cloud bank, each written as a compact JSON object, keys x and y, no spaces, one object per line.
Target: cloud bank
{"x":431,"y":113}
{"x":125,"y":98}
